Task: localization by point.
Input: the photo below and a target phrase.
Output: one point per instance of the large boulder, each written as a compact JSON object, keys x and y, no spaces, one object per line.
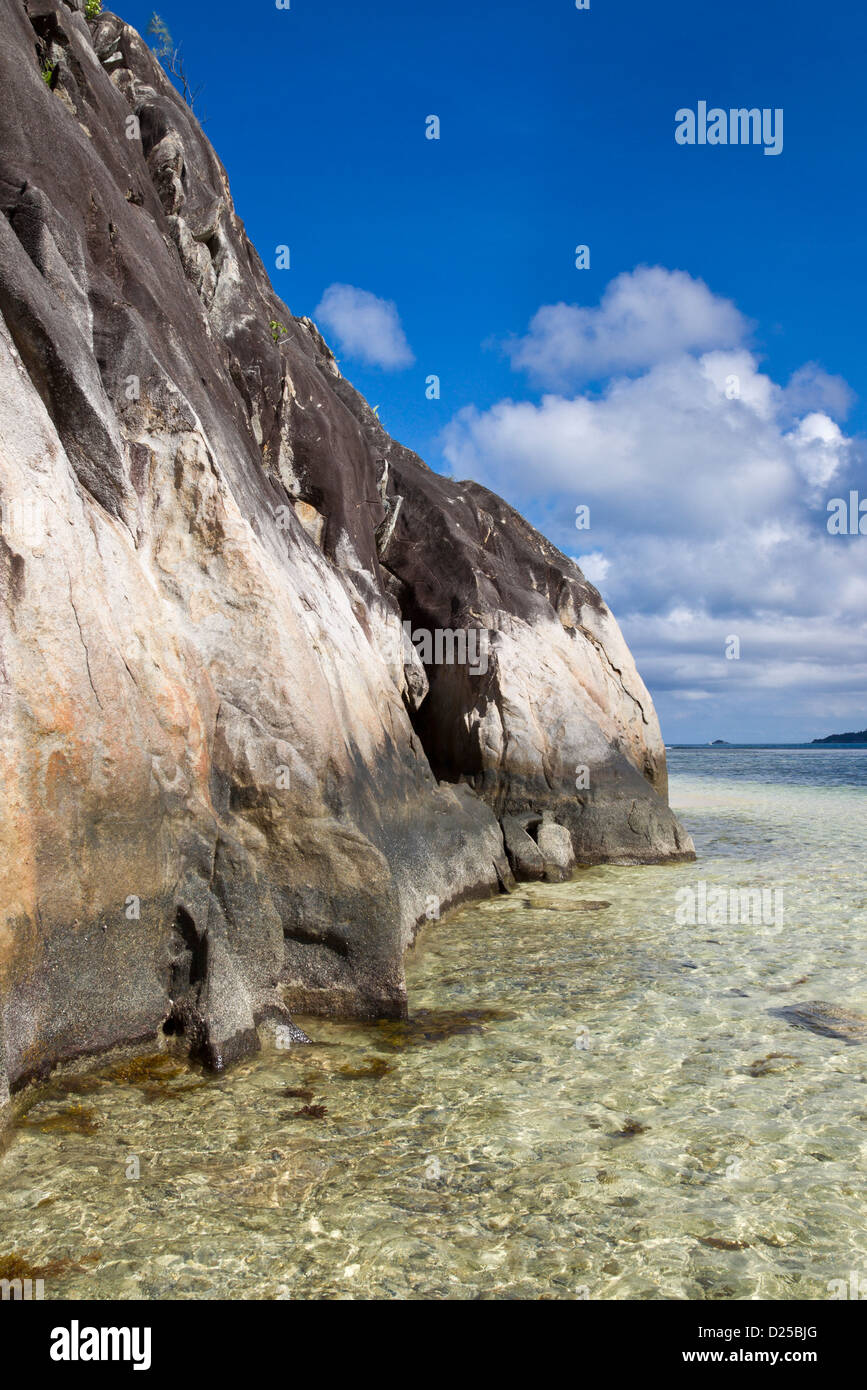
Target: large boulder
{"x":525,"y":857}
{"x":555,"y":845}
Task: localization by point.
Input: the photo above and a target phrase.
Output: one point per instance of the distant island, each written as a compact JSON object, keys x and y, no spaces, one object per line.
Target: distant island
{"x":844,"y":738}
{"x":720,"y":743}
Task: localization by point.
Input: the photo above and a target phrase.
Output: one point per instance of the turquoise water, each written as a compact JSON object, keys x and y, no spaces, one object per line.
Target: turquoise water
{"x":587,"y":1102}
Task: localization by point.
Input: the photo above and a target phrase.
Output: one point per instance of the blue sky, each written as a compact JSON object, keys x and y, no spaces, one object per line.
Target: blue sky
{"x":708,"y":502}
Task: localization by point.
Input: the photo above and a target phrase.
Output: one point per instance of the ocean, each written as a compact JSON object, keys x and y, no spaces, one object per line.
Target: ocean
{"x":598,"y":1095}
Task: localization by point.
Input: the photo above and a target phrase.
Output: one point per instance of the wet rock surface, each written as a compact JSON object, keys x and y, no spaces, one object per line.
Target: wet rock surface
{"x":230,"y":789}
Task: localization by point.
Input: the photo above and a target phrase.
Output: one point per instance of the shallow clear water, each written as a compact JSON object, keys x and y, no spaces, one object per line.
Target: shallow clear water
{"x":586,"y":1102}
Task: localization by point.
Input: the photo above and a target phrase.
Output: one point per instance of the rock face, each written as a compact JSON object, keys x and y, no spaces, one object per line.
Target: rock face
{"x":235,"y":781}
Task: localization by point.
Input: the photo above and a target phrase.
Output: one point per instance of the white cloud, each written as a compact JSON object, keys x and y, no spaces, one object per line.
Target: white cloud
{"x":365,"y":327}
{"x":668,"y":450}
{"x":819,"y":443}
{"x":594,"y":566}
{"x":707,"y":484}
{"x":811,"y":388}
{"x":646,"y":316}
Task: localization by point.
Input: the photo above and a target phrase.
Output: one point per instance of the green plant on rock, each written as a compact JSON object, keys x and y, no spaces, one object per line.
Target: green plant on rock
{"x":93,"y":9}
{"x":47,"y":72}
{"x":278,"y":330}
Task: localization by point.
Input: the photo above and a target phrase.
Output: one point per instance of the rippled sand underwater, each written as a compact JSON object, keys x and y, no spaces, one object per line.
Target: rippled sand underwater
{"x":587,"y":1102}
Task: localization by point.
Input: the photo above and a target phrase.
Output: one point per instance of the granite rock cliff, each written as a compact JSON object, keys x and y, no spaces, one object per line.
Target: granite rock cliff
{"x":232,"y":786}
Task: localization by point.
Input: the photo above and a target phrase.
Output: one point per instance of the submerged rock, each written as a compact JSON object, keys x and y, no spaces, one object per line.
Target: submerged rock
{"x":772,"y":1064}
{"x":373,"y":1069}
{"x":229,"y":788}
{"x":828,"y":1020}
{"x":566,"y":904}
{"x":436,"y":1025}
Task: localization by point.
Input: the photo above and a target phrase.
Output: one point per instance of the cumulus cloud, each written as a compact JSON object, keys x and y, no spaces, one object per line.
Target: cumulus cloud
{"x":364,"y":326}
{"x":819,"y":443}
{"x":646,"y":316}
{"x":811,"y":388}
{"x":679,"y":449}
{"x":707,"y":484}
{"x":594,"y":565}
